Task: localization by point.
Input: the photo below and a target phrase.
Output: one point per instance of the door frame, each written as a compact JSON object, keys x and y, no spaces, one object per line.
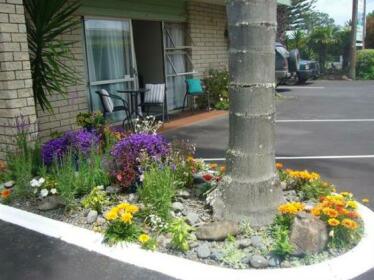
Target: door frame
{"x":134,"y":69}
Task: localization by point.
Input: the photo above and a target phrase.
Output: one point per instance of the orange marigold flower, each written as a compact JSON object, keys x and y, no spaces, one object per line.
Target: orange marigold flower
{"x":5,"y":193}
{"x":350,"y":224}
{"x":223,"y":169}
{"x":333,"y":222}
{"x":316,"y":211}
{"x":279,"y":165}
{"x":291,"y":208}
{"x":213,"y":166}
{"x":332,"y":213}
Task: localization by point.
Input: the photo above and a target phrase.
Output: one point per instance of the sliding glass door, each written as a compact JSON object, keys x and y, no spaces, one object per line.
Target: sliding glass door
{"x":110,"y":59}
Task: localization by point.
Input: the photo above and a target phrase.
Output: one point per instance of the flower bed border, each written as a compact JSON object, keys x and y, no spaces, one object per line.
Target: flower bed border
{"x":352,"y":264}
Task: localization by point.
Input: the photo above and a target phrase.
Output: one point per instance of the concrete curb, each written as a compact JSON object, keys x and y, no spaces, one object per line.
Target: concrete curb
{"x":352,"y":264}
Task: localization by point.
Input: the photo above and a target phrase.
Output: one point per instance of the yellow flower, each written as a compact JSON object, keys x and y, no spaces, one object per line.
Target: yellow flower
{"x":303,"y":175}
{"x":143,"y":238}
{"x":352,"y":204}
{"x":291,"y":208}
{"x":127,"y":218}
{"x":333,"y":222}
{"x":350,"y":224}
{"x":132,"y":209}
{"x":123,"y":205}
{"x":365,"y":200}
{"x":316,"y":211}
{"x":332,"y":213}
{"x":112,"y":214}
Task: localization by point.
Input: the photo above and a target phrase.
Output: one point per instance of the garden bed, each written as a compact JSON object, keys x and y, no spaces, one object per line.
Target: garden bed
{"x":138,"y":188}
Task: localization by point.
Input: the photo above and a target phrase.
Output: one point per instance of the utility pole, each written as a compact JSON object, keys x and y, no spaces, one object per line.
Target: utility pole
{"x":352,"y":70}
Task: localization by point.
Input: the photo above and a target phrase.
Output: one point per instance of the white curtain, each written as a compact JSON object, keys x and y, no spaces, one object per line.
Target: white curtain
{"x":176,"y":87}
{"x":109,"y":57}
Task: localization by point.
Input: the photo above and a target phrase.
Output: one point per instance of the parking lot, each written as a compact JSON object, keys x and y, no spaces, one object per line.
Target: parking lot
{"x":325,"y":126}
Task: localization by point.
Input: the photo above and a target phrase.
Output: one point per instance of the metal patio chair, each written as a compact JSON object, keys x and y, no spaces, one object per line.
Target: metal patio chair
{"x":194,"y":88}
{"x":109,"y":107}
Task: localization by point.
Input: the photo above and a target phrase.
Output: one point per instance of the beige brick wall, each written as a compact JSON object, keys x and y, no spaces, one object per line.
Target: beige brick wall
{"x":76,"y":100}
{"x":16,"y":96}
{"x":207,"y":29}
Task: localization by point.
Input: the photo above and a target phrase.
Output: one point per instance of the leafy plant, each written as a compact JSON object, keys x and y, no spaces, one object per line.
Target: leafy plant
{"x":365,"y":64}
{"x":147,"y":242}
{"x":122,"y":226}
{"x":315,"y":190}
{"x":181,"y":234}
{"x":158,"y":190}
{"x":96,"y":199}
{"x":217,"y":86}
{"x":231,"y":255}
{"x":90,"y":120}
{"x":281,"y":246}
{"x":46,"y":21}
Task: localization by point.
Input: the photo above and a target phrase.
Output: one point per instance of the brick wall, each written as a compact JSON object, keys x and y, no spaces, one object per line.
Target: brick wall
{"x":16,"y":96}
{"x":76,"y":100}
{"x":207,"y":29}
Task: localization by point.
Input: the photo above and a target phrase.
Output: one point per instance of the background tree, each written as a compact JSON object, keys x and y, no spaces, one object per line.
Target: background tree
{"x":369,"y":41}
{"x":251,"y":188}
{"x":299,"y":13}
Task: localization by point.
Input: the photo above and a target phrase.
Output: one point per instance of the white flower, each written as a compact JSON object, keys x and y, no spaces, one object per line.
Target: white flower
{"x":34,"y":183}
{"x":331,"y":233}
{"x":41,"y":181}
{"x":141,"y":178}
{"x":53,"y":191}
{"x":100,"y":187}
{"x":43,"y":192}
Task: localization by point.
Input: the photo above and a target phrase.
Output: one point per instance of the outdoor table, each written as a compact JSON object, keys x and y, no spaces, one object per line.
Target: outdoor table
{"x":134,"y":96}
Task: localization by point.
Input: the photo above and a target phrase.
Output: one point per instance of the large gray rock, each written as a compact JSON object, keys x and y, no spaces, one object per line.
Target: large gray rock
{"x":258,"y":261}
{"x":203,"y":251}
{"x":217,"y":230}
{"x":309,"y":235}
{"x":257,"y":242}
{"x":50,"y":203}
{"x":91,"y":217}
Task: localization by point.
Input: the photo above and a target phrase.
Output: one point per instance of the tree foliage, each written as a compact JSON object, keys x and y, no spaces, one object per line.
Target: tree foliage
{"x":47,"y":20}
{"x":299,"y":13}
{"x":369,"y":41}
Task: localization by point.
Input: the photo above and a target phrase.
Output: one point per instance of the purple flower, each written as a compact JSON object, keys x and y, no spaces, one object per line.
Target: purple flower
{"x":79,"y":141}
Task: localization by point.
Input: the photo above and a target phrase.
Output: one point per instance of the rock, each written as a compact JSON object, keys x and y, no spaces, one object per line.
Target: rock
{"x":192,"y":218}
{"x":100,"y":221}
{"x":216,"y":255}
{"x":163,"y":241}
{"x":133,"y":198}
{"x":309,"y":205}
{"x":244,"y":243}
{"x":290,"y":195}
{"x":258,"y":261}
{"x":9,"y":184}
{"x":246,"y":259}
{"x":309,"y":235}
{"x":274,"y":261}
{"x":91,"y":217}
{"x":217,"y":230}
{"x":183,"y":194}
{"x":193,"y":244}
{"x":285,"y":264}
{"x":177,"y":206}
{"x":257,"y":242}
{"x":113,"y":189}
{"x":50,"y":203}
{"x":203,"y":251}
{"x":283,"y":185}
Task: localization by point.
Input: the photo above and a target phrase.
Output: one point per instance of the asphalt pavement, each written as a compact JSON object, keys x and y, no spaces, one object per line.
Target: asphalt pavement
{"x":322,"y":119}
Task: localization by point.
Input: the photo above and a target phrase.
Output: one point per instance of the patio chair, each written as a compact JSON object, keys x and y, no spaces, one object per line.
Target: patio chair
{"x":155,"y":96}
{"x":194,"y":88}
{"x":109,"y":107}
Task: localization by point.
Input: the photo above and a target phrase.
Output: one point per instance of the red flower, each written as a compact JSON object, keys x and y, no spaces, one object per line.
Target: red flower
{"x":5,"y":193}
{"x":207,"y":177}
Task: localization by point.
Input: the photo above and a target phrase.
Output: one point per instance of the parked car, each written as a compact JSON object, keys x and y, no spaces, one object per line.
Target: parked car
{"x":305,"y":71}
{"x":287,"y":63}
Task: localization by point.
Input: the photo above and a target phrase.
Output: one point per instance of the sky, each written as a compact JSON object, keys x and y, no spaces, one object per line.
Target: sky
{"x":341,"y":10}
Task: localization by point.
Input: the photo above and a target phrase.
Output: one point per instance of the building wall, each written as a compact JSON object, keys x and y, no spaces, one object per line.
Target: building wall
{"x":207,"y":27}
{"x":16,"y":96}
{"x":76,"y":100}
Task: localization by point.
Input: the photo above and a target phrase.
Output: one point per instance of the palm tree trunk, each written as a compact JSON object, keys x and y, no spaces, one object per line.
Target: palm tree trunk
{"x":251,"y":188}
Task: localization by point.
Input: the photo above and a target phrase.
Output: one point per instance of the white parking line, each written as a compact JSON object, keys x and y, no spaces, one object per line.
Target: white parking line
{"x":306,"y":157}
{"x":283,"y":87}
{"x":324,"y":120}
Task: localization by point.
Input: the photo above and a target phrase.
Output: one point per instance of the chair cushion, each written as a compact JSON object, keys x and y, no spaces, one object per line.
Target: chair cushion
{"x":194,"y":87}
{"x":107,"y":101}
{"x":156,"y":94}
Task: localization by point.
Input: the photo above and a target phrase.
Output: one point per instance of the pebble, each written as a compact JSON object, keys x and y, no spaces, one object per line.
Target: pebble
{"x":216,"y":255}
{"x":244,"y":243}
{"x":133,"y":198}
{"x":9,"y":184}
{"x":286,"y":264}
{"x":177,"y":206}
{"x":100,"y":221}
{"x":258,"y":261}
{"x":91,"y":217}
{"x":203,"y":251}
{"x":192,"y":218}
{"x":257,"y":242}
{"x":183,"y":194}
{"x":274,"y":261}
{"x":113,"y":189}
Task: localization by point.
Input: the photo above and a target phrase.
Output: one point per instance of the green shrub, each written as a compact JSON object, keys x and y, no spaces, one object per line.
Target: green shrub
{"x":158,"y":190}
{"x":90,"y":120}
{"x":96,"y":199}
{"x":365,"y":64}
{"x":181,"y":234}
{"x":217,"y":86}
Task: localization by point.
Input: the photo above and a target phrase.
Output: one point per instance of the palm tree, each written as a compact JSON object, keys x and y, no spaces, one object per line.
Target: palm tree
{"x":251,"y":188}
